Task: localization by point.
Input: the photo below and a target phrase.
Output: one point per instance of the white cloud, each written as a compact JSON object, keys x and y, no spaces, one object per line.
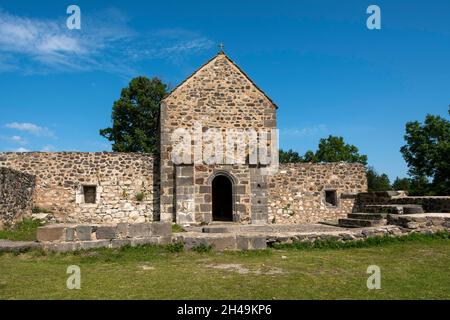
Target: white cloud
{"x":14,"y":139}
{"x":305,"y":132}
{"x":105,"y":42}
{"x":21,"y":150}
{"x":30,"y":128}
{"x":18,"y":139}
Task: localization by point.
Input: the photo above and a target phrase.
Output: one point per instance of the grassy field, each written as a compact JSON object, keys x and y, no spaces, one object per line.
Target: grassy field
{"x":418,"y":268}
{"x":23,"y":231}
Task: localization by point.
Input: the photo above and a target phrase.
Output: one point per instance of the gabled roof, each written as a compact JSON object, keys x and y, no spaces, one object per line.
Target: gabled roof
{"x":220,"y":54}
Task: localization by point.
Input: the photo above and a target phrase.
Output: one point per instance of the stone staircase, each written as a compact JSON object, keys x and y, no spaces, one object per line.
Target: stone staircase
{"x":376,"y":215}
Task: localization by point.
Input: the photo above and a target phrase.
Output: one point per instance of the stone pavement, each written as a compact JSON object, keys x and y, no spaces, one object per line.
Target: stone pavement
{"x":17,"y":246}
{"x":226,"y":236}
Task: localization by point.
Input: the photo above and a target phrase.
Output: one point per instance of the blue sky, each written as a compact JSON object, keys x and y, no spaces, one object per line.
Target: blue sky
{"x":316,"y":59}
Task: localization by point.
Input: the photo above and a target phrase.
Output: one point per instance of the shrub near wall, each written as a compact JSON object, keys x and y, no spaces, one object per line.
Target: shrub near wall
{"x":297,"y":191}
{"x":16,"y":192}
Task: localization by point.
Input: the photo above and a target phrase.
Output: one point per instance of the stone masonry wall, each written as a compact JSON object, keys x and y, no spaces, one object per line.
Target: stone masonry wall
{"x":435,"y":204}
{"x":297,"y":191}
{"x":119,"y":178}
{"x":16,"y":196}
{"x":219,"y":96}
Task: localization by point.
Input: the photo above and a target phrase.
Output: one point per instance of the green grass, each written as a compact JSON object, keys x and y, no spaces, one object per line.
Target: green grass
{"x":23,"y":231}
{"x":415,"y":267}
{"x":177,"y":228}
{"x":41,"y":210}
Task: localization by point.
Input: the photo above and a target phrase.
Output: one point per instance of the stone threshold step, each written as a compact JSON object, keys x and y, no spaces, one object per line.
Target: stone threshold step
{"x":393,"y":208}
{"x":367,"y":216}
{"x":360,"y":223}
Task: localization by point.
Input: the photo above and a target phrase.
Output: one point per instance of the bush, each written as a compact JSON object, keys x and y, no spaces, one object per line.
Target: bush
{"x":22,"y":231}
{"x":40,"y":210}
{"x":202,"y":248}
{"x":177,"y":228}
{"x":140,"y":196}
{"x":175,"y":247}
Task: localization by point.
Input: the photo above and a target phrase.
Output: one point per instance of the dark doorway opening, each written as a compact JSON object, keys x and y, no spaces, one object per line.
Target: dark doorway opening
{"x":222,"y":199}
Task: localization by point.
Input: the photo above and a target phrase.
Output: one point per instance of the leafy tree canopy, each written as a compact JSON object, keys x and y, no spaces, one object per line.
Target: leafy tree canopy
{"x":135,"y":116}
{"x":331,"y":149}
{"x":377,"y":182}
{"x":427,"y":153}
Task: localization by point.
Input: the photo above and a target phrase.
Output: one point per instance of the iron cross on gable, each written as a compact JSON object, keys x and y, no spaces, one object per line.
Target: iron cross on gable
{"x":221,"y":47}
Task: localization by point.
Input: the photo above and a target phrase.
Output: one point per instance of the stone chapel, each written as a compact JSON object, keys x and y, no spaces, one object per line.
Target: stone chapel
{"x":110,"y":187}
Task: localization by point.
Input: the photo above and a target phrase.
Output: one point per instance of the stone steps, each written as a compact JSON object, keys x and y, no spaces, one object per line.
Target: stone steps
{"x":367,"y":216}
{"x":393,"y":208}
{"x":361,"y":223}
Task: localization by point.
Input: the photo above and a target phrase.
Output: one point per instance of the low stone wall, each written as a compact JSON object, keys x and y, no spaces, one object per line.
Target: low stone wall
{"x":121,"y":186}
{"x":422,"y":221}
{"x":297,"y":192}
{"x":16,"y":194}
{"x":71,"y":237}
{"x":435,"y":204}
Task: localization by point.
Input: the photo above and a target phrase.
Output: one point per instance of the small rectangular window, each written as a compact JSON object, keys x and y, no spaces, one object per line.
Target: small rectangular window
{"x":331,"y":197}
{"x":90,"y":194}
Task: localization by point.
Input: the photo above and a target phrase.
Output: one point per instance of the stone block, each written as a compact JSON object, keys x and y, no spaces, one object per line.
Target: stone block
{"x":122,"y":230}
{"x":18,"y":246}
{"x":161,"y":228}
{"x":192,"y":242}
{"x":138,"y":230}
{"x":52,"y":233}
{"x":118,"y":243}
{"x":144,"y":241}
{"x":222,"y":243}
{"x":61,"y":246}
{"x":94,"y":244}
{"x":70,"y":234}
{"x":186,"y":171}
{"x":106,"y":232}
{"x":258,"y":243}
{"x":164,"y":240}
{"x":84,"y":233}
{"x":185,"y":181}
{"x":251,"y":242}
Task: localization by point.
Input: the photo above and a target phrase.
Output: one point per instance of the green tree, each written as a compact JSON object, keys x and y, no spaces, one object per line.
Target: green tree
{"x":427,"y":153}
{"x":334,"y":149}
{"x":331,"y":149}
{"x":415,"y":186}
{"x":289,"y":156}
{"x":135,"y":117}
{"x":401,"y":184}
{"x":377,"y":182}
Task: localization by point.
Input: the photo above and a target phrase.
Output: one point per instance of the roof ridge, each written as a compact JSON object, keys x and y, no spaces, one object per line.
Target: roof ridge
{"x":221,"y":53}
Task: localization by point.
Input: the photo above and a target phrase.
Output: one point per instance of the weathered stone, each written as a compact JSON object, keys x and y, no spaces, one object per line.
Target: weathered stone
{"x":117,"y":243}
{"x":18,"y":246}
{"x":161,"y":229}
{"x":94,"y":244}
{"x":106,"y":232}
{"x":83,"y":232}
{"x":137,"y":230}
{"x":51,"y":233}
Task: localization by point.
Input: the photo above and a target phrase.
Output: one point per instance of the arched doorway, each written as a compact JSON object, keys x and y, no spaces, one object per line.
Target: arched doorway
{"x":222,"y":198}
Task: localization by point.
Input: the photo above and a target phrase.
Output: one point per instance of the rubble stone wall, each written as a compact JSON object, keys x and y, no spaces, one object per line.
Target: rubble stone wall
{"x":432,"y":204}
{"x":125,"y":188}
{"x":297,"y":191}
{"x":16,"y":196}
